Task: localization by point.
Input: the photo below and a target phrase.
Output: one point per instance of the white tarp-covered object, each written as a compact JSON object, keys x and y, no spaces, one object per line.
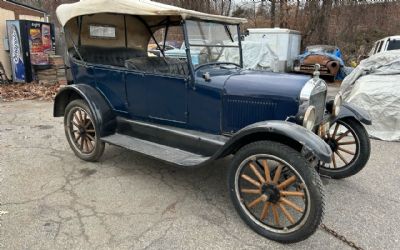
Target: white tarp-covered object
{"x":256,"y":56}
{"x":375,"y":86}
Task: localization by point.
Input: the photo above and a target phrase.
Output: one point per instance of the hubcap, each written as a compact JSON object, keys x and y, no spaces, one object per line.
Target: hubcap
{"x":272,"y":192}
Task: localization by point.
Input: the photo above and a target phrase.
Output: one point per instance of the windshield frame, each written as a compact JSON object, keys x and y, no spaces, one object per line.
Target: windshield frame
{"x":189,"y":45}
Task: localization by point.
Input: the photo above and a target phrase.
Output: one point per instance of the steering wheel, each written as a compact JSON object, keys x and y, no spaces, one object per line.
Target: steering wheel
{"x":218,"y":50}
{"x":214,"y":53}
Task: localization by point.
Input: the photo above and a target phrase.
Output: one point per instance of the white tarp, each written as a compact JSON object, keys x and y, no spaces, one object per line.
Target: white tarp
{"x":375,"y":86}
{"x":66,"y":12}
{"x":256,"y":56}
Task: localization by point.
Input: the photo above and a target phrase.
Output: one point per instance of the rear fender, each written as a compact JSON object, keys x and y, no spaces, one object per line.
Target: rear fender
{"x":291,"y":134}
{"x":101,"y":110}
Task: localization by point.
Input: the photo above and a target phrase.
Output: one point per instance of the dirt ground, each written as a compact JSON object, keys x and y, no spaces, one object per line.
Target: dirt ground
{"x":49,"y":199}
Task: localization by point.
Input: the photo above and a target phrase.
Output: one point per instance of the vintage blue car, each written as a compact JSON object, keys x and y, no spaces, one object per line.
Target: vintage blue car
{"x":279,"y":128}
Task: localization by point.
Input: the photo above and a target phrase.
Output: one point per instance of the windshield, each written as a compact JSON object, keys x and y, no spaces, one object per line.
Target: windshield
{"x":213,"y":42}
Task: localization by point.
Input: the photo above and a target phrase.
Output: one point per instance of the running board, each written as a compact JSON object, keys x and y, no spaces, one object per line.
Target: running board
{"x":168,"y":154}
{"x":187,"y":140}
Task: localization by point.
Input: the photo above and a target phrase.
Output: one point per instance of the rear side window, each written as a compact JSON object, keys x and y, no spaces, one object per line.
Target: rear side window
{"x":380,"y":46}
{"x":102,"y":31}
{"x":393,"y":44}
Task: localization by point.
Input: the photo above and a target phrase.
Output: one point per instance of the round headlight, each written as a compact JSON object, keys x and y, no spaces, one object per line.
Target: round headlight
{"x":337,"y":103}
{"x":309,"y":118}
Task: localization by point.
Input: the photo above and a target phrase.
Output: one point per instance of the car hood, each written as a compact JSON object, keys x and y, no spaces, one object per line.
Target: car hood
{"x":261,"y":84}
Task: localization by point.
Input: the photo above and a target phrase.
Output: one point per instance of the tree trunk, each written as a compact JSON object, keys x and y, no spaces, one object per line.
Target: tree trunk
{"x":272,"y":13}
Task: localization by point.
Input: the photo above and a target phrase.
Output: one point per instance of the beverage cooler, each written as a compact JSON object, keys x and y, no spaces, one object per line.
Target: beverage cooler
{"x":30,"y":44}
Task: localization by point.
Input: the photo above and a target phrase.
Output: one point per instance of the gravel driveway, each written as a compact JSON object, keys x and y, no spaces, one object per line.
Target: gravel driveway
{"x":49,"y":199}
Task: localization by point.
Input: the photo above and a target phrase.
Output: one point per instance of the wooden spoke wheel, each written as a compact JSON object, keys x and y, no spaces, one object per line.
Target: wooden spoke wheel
{"x":81,"y":131}
{"x":350,"y":146}
{"x":274,"y":191}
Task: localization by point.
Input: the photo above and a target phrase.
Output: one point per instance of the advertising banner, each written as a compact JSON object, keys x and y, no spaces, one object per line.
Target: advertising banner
{"x":40,"y":43}
{"x":16,"y":51}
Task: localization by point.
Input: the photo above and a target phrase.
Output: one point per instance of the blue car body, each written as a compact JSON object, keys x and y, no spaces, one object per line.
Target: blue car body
{"x":231,"y":100}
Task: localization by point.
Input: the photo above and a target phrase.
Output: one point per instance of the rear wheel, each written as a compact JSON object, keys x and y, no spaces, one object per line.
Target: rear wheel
{"x":82,"y":132}
{"x":276,"y":192}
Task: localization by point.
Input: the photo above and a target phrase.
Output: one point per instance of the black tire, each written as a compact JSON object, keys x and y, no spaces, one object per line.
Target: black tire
{"x":361,"y":152}
{"x":310,"y":184}
{"x":77,"y":112}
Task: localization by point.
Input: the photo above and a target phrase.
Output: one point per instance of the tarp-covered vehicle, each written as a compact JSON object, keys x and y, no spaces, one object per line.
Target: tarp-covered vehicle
{"x":375,"y":86}
{"x":329,"y":57}
{"x":189,"y":114}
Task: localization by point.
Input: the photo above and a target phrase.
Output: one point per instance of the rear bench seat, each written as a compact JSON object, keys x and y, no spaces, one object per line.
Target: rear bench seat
{"x":132,"y":59}
{"x":108,"y":56}
{"x":161,"y":65}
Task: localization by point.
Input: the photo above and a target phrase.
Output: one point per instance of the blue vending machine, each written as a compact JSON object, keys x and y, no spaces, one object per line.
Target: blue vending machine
{"x":30,"y":44}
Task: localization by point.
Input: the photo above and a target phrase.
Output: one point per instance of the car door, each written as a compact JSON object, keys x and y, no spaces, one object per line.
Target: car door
{"x":160,"y":98}
{"x":110,"y":81}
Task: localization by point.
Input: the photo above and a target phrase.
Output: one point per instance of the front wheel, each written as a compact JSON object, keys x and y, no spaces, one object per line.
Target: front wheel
{"x":276,"y":192}
{"x":350,"y":146}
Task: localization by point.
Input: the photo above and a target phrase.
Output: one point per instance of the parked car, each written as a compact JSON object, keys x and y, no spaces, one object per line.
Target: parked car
{"x":385,"y":44}
{"x":153,"y":49}
{"x":190,"y":115}
{"x":329,"y":57}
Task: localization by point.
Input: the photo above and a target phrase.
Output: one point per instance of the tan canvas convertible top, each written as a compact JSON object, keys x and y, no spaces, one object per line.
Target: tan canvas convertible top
{"x":66,"y":12}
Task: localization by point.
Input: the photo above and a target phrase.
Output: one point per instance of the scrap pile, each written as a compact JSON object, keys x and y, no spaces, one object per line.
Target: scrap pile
{"x":55,"y":74}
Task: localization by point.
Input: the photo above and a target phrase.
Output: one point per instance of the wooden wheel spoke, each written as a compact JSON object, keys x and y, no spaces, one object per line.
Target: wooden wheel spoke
{"x":250,"y":191}
{"x":292,"y":193}
{"x":277,"y":174}
{"x":264,"y":212}
{"x":90,"y":137}
{"x":76,"y":124}
{"x":88,"y":123}
{"x":251,"y":180}
{"x":77,"y":118}
{"x":256,"y":201}
{"x":347,"y":143}
{"x":341,"y":157}
{"x":80,"y":116}
{"x":287,"y":182}
{"x":276,"y":214}
{"x":81,"y":144}
{"x":335,"y":131}
{"x":286,"y":213}
{"x":292,"y":205}
{"x":266,"y":171}
{"x":89,"y":143}
{"x":343,"y":135}
{"x":257,"y":173}
{"x":90,"y":131}
{"x":346,"y":151}
{"x":334,"y":160}
{"x":86,"y":145}
{"x":77,"y":138}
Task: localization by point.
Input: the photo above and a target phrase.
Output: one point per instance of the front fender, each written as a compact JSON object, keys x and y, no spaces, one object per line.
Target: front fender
{"x":101,"y":110}
{"x":351,"y":110}
{"x":281,"y":131}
